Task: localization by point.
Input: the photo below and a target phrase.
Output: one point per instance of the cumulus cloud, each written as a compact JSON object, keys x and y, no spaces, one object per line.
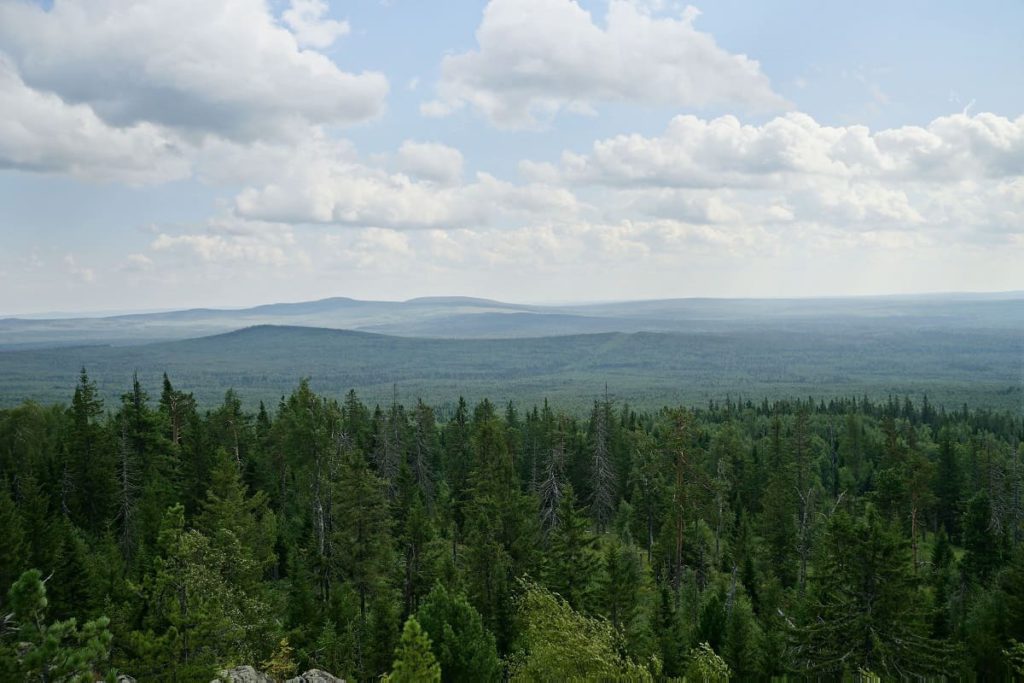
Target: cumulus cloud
{"x":538,"y":57}
{"x":307,"y":21}
{"x":40,"y":132}
{"x":958,"y":173}
{"x":379,"y":249}
{"x":430,"y":161}
{"x":197,"y":67}
{"x":227,"y":241}
{"x":723,"y":152}
{"x":322,"y":187}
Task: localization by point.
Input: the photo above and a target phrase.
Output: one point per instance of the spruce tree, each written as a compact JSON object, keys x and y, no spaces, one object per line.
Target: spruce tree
{"x":869,"y":611}
{"x":573,"y":563}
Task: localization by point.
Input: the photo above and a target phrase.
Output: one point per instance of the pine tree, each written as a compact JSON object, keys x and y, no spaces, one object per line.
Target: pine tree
{"x":465,"y":649}
{"x":32,"y":649}
{"x":196,"y":615}
{"x":414,"y":659}
{"x":415,"y":533}
{"x":39,"y":523}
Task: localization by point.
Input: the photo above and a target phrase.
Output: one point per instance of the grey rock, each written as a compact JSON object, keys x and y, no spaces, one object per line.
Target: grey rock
{"x":315,"y":676}
{"x":243,"y":674}
{"x":125,"y":678}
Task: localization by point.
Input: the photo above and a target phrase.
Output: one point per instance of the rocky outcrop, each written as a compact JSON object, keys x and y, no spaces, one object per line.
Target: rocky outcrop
{"x":316,"y":676}
{"x":247,"y":674}
{"x":243,"y":674}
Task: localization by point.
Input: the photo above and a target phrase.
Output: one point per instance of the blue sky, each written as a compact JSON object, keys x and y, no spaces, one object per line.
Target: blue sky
{"x":158,"y":154}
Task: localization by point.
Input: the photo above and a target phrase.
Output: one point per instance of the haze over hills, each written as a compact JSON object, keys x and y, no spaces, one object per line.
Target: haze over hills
{"x":467,"y":317}
{"x":952,"y":347}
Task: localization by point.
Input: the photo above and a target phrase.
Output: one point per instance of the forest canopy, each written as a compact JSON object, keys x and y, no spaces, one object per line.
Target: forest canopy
{"x":804,"y":537}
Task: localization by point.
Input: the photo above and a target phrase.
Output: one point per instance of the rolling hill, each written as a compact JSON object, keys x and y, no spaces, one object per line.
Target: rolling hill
{"x":951,"y":364}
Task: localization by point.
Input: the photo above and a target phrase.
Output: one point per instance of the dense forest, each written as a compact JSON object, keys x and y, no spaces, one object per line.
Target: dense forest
{"x":752,"y":540}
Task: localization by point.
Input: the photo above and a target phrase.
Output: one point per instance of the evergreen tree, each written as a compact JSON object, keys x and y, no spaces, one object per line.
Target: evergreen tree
{"x":948,"y":477}
{"x":196,"y":615}
{"x":465,"y":649}
{"x":414,"y":659}
{"x":89,"y":479}
{"x":779,"y":507}
{"x":31,"y":649}
{"x":230,"y":517}
{"x":13,"y":547}
{"x":981,"y":546}
{"x":572,"y":560}
{"x":361,"y":537}
{"x":602,"y":467}
{"x":869,"y":610}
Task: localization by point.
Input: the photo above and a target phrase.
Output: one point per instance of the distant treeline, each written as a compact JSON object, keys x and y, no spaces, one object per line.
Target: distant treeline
{"x":745,"y":539}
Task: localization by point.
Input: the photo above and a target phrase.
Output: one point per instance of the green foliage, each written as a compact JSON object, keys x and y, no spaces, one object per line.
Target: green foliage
{"x":1015,"y":657}
{"x":790,"y":538}
{"x":868,"y":611}
{"x":12,"y":540}
{"x":414,"y":659}
{"x":33,"y":650}
{"x":558,"y":643}
{"x":281,"y":664}
{"x":652,"y":369}
{"x":197,"y":614}
{"x":706,"y":666}
{"x":573,"y":563}
{"x":464,"y":648}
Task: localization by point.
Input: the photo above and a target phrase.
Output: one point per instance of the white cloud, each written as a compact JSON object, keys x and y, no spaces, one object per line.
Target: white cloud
{"x":306,"y":19}
{"x":137,"y":263}
{"x":39,"y":132}
{"x":320,"y":186}
{"x":538,"y":57}
{"x":722,"y":152}
{"x":377,"y":249}
{"x":228,"y":241}
{"x":430,"y":161}
{"x":198,"y":67}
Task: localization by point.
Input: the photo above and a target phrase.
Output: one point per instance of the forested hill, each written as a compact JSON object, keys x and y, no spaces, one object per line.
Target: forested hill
{"x":810,"y":539}
{"x":980,"y":366}
{"x":466,"y":317}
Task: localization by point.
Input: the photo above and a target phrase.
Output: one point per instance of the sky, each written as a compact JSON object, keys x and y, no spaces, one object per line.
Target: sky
{"x":177,"y":153}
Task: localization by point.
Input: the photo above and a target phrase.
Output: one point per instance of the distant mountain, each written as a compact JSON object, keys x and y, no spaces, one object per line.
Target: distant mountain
{"x":467,"y":317}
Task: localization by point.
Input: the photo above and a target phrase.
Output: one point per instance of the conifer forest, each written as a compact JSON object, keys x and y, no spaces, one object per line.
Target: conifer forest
{"x":798,"y":539}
